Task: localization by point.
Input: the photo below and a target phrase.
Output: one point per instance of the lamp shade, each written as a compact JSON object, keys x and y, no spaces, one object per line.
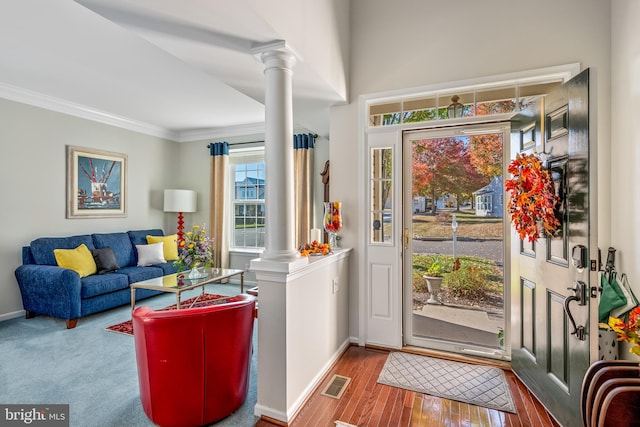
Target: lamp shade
{"x":180,"y":200}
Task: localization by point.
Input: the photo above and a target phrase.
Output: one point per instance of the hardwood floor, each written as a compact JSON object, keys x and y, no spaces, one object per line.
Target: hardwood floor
{"x":367,"y":403}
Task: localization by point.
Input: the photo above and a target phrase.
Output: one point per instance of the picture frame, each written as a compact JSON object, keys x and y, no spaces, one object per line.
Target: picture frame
{"x":96,"y":183}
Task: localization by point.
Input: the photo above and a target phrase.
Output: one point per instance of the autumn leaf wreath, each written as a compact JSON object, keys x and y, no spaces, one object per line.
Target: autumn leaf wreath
{"x":533,"y":201}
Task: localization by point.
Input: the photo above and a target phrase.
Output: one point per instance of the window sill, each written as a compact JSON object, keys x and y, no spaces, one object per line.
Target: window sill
{"x":247,"y":251}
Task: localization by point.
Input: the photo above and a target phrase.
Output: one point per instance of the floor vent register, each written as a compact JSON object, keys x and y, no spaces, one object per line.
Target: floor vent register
{"x":336,"y":386}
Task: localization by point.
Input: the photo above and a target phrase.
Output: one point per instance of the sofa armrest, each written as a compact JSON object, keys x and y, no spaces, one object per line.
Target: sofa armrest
{"x":49,"y":290}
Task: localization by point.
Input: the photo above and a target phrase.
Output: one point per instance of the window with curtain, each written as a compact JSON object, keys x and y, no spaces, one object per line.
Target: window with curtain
{"x":247,"y":198}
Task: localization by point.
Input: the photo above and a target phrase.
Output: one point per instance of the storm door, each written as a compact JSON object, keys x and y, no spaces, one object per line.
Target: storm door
{"x":453,"y":224}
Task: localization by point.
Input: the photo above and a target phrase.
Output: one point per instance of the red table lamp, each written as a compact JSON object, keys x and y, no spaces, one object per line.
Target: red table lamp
{"x":180,"y":201}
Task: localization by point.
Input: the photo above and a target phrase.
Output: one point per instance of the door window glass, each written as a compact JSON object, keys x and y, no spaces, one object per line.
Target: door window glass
{"x":381,"y":211}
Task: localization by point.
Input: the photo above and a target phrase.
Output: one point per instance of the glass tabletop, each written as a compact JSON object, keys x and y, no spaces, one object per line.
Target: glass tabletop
{"x":181,"y":281}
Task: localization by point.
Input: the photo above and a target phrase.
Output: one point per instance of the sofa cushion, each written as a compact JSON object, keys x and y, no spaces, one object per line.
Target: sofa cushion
{"x":121,"y":245}
{"x":167,"y":268}
{"x":170,"y":245}
{"x":139,"y":237}
{"x":138,"y":274}
{"x":105,"y":260}
{"x":103,"y":284}
{"x":79,"y":260}
{"x":42,"y":248}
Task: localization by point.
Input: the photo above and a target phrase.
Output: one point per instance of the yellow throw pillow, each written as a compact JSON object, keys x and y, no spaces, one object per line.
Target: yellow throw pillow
{"x":79,"y":260}
{"x":170,"y":245}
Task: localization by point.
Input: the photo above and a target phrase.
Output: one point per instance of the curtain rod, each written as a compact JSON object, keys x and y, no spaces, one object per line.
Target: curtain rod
{"x":315,"y":135}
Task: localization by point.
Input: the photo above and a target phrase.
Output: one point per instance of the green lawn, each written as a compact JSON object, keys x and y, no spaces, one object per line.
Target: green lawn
{"x":469,"y":225}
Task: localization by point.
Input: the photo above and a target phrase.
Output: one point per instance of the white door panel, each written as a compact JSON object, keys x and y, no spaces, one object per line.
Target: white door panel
{"x":383,"y":289}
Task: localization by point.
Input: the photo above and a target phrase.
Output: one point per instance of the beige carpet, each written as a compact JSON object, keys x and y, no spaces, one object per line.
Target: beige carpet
{"x":475,"y":384}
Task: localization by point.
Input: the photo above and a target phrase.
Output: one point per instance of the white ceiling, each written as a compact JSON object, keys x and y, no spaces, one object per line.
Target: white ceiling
{"x":185,"y":67}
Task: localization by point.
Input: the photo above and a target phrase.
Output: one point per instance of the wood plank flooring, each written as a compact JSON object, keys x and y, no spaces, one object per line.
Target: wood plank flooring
{"x":367,"y":403}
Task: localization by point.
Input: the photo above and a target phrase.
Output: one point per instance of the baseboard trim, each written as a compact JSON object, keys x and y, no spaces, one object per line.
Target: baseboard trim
{"x":12,"y":315}
{"x":270,"y":414}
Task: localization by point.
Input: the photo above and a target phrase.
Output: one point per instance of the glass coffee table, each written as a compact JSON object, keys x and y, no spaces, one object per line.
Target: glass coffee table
{"x":179,"y":282}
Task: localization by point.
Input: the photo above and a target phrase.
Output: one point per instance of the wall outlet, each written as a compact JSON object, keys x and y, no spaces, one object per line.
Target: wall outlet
{"x":334,"y":285}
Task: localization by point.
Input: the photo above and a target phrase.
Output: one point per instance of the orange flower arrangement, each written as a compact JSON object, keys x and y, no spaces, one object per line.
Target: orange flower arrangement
{"x":315,"y":248}
{"x":629,"y":332}
{"x":333,"y":217}
{"x":533,"y":200}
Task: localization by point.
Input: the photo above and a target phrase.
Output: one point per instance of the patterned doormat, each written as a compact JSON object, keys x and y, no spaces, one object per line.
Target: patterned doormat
{"x":474,"y":384}
{"x":126,"y":327}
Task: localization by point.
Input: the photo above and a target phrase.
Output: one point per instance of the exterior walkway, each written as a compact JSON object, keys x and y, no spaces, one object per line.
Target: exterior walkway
{"x":453,"y":323}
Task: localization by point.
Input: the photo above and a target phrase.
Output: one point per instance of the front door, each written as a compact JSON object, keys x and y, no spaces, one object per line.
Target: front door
{"x":550,"y":300}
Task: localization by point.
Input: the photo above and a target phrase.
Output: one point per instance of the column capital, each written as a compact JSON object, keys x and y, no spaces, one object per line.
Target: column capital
{"x":278,"y":59}
{"x":276,"y":49}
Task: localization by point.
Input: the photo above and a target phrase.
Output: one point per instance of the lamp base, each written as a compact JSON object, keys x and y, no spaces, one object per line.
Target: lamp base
{"x":180,"y":227}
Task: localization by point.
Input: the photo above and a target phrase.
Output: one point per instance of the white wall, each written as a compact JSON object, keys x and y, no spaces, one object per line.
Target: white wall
{"x":33,"y":176}
{"x":411,"y":43}
{"x":625,"y":140}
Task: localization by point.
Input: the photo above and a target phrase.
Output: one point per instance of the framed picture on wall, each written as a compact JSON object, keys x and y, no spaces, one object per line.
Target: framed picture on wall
{"x":96,"y":183}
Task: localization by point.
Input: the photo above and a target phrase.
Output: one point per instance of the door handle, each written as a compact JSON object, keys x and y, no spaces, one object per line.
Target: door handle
{"x":406,"y":238}
{"x":581,"y":297}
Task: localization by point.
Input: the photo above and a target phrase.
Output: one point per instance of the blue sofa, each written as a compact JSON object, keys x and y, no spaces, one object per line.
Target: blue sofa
{"x":60,"y":292}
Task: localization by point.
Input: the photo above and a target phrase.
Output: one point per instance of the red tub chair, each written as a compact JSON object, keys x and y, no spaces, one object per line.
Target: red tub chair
{"x":193,"y":363}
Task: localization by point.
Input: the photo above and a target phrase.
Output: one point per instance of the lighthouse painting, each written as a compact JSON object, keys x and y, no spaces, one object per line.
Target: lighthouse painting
{"x":96,"y":183}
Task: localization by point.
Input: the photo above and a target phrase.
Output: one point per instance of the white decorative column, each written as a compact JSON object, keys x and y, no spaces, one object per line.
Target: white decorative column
{"x":303,"y":314}
{"x":279,"y":174}
{"x":280,"y":258}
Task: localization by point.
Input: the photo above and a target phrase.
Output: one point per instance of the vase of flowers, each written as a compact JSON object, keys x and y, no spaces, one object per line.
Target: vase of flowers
{"x":332,"y":221}
{"x":195,"y":253}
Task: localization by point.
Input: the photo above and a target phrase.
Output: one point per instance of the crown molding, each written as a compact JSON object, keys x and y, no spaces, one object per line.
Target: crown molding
{"x":221,"y":132}
{"x":25,"y":96}
{"x":36,"y":99}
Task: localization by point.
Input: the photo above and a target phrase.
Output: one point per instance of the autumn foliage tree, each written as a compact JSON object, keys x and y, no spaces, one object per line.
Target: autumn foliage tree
{"x":443,"y":165}
{"x":485,"y":152}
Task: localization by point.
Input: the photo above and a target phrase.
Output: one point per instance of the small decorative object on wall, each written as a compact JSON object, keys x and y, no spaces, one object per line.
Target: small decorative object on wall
{"x":533,"y":198}
{"x":96,"y":183}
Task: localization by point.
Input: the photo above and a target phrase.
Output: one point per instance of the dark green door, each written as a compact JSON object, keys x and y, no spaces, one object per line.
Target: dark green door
{"x":546,"y":355}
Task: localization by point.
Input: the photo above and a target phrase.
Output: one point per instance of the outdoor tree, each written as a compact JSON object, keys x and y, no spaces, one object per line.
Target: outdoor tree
{"x":441,"y":166}
{"x":470,"y":180}
{"x":485,"y":152}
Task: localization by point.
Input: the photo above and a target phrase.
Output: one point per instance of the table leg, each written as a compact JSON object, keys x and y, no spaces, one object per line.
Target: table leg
{"x":133,"y":298}
{"x":178,"y":301}
{"x":242,"y":283}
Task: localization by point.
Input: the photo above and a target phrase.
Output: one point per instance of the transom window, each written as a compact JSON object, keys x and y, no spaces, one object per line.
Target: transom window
{"x":459,"y":103}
